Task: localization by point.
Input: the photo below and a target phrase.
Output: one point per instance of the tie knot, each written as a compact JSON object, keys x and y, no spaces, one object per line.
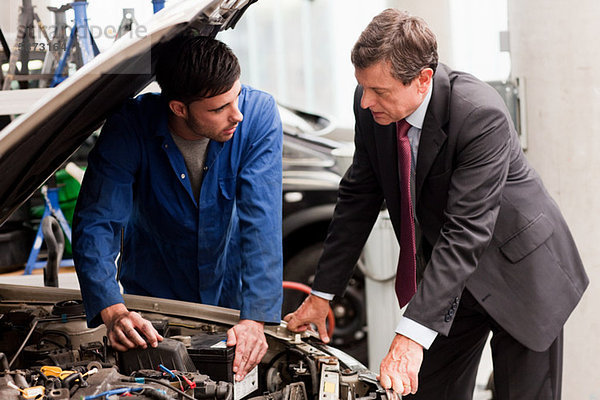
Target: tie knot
{"x":402,"y":128}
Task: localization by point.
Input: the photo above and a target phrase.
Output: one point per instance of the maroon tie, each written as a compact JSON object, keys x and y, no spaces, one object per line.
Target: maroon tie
{"x":406,"y":285}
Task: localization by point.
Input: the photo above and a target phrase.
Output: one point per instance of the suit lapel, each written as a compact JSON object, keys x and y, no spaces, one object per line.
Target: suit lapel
{"x":432,"y":133}
{"x":432,"y":138}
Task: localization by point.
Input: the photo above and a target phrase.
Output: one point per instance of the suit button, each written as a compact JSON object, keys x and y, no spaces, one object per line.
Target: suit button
{"x":451,"y":312}
{"x":447,"y":318}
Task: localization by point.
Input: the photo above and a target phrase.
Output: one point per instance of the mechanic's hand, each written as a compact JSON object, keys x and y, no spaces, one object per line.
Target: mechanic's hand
{"x":314,"y":310}
{"x":399,"y":369}
{"x":125,"y":328}
{"x":251,"y":345}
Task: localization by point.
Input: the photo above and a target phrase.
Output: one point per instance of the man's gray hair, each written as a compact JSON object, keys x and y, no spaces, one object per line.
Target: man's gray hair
{"x":405,"y":41}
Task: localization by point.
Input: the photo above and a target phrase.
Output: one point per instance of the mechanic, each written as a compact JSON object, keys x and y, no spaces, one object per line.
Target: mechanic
{"x":483,"y":246}
{"x":189,"y":181}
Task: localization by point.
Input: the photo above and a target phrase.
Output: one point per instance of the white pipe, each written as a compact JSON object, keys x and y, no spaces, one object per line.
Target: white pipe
{"x":75,"y":171}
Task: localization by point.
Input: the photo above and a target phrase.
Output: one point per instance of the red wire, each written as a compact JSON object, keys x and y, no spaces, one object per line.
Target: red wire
{"x":191,"y":384}
{"x":306,"y":289}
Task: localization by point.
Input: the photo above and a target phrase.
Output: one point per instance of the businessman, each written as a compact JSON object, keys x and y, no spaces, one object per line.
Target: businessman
{"x":483,"y":246}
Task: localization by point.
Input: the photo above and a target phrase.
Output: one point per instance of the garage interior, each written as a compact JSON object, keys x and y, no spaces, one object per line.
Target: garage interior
{"x":540,"y":57}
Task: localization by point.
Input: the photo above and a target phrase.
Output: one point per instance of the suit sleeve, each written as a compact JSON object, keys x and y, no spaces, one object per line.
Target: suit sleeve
{"x":476,"y":184}
{"x":259,"y":210}
{"x":359,"y":200}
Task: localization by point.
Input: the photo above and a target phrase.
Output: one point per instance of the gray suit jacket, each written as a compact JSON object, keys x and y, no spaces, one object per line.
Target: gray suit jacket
{"x":487,"y":221}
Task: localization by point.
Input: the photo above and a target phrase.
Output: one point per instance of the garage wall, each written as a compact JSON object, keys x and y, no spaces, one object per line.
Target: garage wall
{"x":554,"y":48}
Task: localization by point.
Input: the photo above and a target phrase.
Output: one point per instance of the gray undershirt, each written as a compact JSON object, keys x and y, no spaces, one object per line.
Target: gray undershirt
{"x":194,"y":155}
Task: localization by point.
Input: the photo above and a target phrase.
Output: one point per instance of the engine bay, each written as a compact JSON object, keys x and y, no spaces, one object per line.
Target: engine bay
{"x":47,"y":352}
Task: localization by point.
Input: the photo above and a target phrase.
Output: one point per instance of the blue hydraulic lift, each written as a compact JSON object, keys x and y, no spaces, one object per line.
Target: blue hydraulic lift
{"x":80,"y":37}
{"x":158,"y":5}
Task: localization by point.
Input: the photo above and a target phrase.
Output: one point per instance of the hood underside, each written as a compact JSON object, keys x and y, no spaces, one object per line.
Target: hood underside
{"x":37,"y":143}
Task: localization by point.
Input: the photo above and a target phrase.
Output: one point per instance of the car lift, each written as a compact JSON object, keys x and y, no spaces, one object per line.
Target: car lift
{"x":127,"y":22}
{"x":52,"y":208}
{"x":6,"y":50}
{"x":81,"y":38}
{"x":57,"y":46}
{"x":23,"y":47}
{"x":158,"y":5}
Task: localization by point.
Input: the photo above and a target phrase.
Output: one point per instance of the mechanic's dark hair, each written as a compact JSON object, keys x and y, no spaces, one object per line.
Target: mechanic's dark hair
{"x":405,"y":41}
{"x":193,"y":67}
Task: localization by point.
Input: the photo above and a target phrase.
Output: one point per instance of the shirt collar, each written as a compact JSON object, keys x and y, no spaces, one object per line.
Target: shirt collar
{"x":418,"y":116}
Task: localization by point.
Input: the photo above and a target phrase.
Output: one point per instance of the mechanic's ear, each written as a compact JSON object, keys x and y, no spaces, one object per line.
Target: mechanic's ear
{"x":178,"y":108}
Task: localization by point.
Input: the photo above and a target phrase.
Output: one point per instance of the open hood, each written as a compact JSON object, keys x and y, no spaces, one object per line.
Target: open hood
{"x":37,"y":143}
{"x":46,"y":349}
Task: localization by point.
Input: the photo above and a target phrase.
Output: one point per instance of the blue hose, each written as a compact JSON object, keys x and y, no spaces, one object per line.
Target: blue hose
{"x":113,"y":392}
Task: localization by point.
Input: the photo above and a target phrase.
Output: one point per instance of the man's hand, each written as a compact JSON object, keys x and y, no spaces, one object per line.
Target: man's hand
{"x":251,"y":345}
{"x":125,"y":328}
{"x":314,"y":310}
{"x":399,"y":369}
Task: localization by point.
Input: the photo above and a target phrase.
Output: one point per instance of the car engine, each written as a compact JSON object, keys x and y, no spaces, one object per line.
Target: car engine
{"x":48,"y":352}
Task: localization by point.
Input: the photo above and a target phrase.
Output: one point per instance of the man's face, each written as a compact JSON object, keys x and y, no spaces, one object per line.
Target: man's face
{"x":215,"y":117}
{"x":388,"y":99}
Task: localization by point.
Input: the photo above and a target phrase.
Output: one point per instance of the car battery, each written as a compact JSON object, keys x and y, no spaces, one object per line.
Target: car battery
{"x":214,"y":358}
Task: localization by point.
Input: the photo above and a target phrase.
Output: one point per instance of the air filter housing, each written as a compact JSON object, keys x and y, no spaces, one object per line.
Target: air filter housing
{"x":170,"y":353}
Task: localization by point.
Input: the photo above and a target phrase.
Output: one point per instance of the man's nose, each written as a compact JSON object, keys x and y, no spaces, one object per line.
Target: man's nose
{"x":366,"y":100}
{"x":236,"y":115}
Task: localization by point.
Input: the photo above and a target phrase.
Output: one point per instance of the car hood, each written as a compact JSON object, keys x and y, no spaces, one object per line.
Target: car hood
{"x":43,"y":330}
{"x":38,"y":142}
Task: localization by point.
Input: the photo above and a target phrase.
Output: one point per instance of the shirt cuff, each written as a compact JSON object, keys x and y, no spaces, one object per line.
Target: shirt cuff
{"x":323,"y":295}
{"x":417,"y":332}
